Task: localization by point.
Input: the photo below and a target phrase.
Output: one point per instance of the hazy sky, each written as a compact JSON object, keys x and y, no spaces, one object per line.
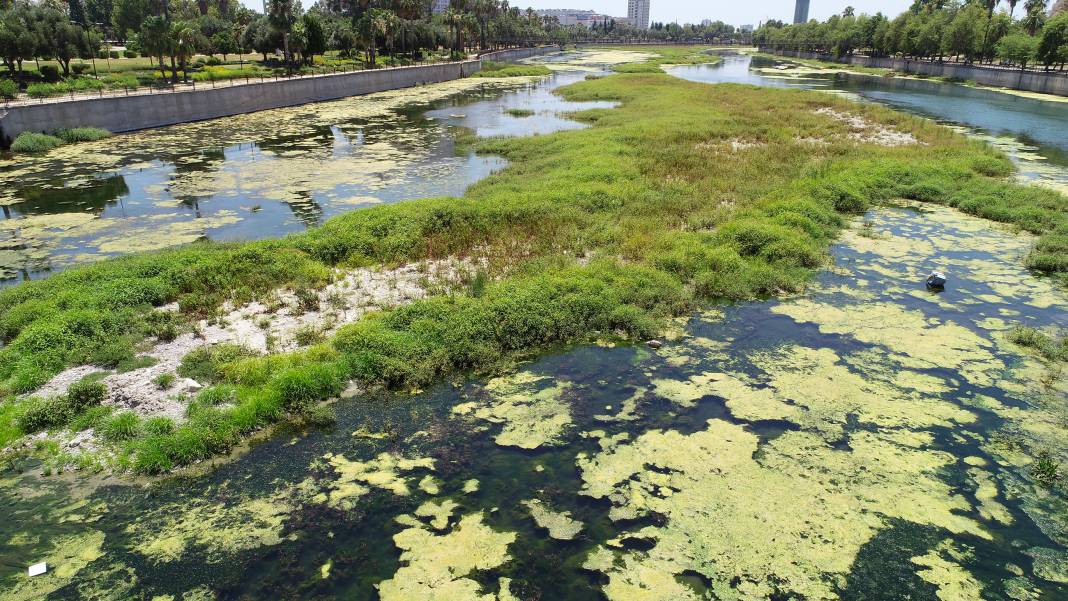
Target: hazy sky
{"x":733,"y":12}
{"x":694,"y":11}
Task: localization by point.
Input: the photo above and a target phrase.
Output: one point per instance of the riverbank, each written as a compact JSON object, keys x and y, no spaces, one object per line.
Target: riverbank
{"x":606,"y":232}
{"x":1053,"y":84}
{"x":126,"y":113}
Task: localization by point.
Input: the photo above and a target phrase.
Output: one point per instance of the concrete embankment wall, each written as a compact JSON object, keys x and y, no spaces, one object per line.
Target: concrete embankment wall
{"x":1014,"y":79}
{"x":129,"y":113}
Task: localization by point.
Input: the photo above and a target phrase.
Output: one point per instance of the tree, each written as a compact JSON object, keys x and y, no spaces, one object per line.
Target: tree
{"x":1053,"y":44}
{"x":156,"y":39}
{"x":283,"y":15}
{"x":963,"y":31}
{"x":368,"y":28}
{"x":1035,"y":15}
{"x":315,"y":42}
{"x":1017,"y":48}
{"x":184,"y":42}
{"x":128,"y":15}
{"x":224,"y":42}
{"x":484,"y":11}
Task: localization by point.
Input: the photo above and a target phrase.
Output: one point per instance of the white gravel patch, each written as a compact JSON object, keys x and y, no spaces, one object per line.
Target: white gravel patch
{"x":269,"y":328}
{"x":866,"y":131}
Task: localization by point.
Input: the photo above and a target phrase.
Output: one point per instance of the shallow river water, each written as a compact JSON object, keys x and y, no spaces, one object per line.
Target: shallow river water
{"x":864,"y":440}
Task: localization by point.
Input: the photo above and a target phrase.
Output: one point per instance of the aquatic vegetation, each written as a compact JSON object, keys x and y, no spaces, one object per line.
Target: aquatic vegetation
{"x":493,"y":69}
{"x":953,"y":582}
{"x":82,"y":134}
{"x":560,"y":524}
{"x":533,"y":414}
{"x":215,"y":530}
{"x":30,"y":142}
{"x":712,"y":489}
{"x":438,"y":565}
{"x":519,"y":112}
{"x":68,"y":558}
{"x":357,"y":478}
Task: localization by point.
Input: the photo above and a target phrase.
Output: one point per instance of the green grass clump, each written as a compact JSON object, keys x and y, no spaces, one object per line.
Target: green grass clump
{"x":637,"y":68}
{"x":82,"y":134}
{"x":665,"y":220}
{"x":519,"y":112}
{"x":38,"y":414}
{"x":494,"y":69}
{"x":120,"y":427}
{"x":9,"y":90}
{"x":1045,"y":346}
{"x":34,"y":143}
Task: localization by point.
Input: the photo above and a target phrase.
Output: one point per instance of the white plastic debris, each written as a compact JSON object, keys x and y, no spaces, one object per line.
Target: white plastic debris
{"x":38,"y":568}
{"x":655,"y":344}
{"x":937,"y":279}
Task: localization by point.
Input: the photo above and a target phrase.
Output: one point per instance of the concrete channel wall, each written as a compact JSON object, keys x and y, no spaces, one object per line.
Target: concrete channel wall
{"x":1014,"y":79}
{"x":129,"y":113}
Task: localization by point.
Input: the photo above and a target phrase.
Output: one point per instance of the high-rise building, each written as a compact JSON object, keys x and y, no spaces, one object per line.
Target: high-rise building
{"x":638,"y":13}
{"x":438,"y":6}
{"x":1058,"y":7}
{"x":801,"y":11}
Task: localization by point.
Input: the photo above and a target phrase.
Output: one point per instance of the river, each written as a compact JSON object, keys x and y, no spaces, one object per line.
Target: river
{"x":859,"y":441}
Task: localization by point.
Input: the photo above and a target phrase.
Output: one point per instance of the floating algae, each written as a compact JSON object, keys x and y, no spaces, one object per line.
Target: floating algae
{"x":357,"y":478}
{"x":69,"y":556}
{"x":438,"y":512}
{"x":788,"y":520}
{"x":216,"y":531}
{"x":942,"y":570}
{"x":532,"y":416}
{"x":559,"y":523}
{"x":438,"y":566}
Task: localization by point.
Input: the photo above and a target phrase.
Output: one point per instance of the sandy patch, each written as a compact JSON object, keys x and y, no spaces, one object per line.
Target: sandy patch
{"x":862,"y":130}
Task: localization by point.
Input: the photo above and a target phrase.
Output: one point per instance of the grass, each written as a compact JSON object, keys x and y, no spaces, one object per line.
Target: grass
{"x":667,"y":215}
{"x":519,"y":112}
{"x":29,"y":142}
{"x":818,"y":64}
{"x":495,"y":69}
{"x":82,"y":134}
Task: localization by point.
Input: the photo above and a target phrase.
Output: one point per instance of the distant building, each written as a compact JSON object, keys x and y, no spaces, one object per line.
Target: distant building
{"x":638,"y":13}
{"x":438,"y":6}
{"x":745,"y":28}
{"x":801,"y":11}
{"x":585,"y":18}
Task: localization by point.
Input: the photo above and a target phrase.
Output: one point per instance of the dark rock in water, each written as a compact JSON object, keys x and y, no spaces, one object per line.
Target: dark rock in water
{"x":655,"y":343}
{"x":936,"y":280}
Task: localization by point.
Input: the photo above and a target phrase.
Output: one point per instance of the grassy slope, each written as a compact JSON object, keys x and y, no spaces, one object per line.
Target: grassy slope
{"x":670,"y":217}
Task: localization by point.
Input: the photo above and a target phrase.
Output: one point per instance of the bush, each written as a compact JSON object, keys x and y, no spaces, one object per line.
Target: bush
{"x":158,"y":426}
{"x":85,"y":394}
{"x":9,"y":90}
{"x":164,"y":380}
{"x":82,"y":134}
{"x":113,"y":54}
{"x":120,"y":427}
{"x":50,"y":73}
{"x":129,"y":54}
{"x":300,"y":387}
{"x":203,"y":364}
{"x":39,"y":414}
{"x":47,"y":90}
{"x":32,"y":142}
{"x":80,"y":69}
{"x":212,"y":61}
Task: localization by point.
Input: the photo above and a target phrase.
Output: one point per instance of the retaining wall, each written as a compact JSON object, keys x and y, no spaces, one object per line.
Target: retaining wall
{"x":514,"y":54}
{"x":1015,"y":79}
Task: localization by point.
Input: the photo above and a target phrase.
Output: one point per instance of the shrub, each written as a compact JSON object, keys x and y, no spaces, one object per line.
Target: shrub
{"x":113,"y":54}
{"x":120,"y":427}
{"x":212,"y":61}
{"x":85,"y":394}
{"x":300,"y":387}
{"x":82,"y":134}
{"x":203,"y":364}
{"x":80,"y":69}
{"x":47,"y":90}
{"x":164,"y":381}
{"x":35,"y":143}
{"x":50,"y":72}
{"x":9,"y":90}
{"x":158,"y":426}
{"x":129,"y":54}
{"x":1046,"y":470}
{"x":38,"y":414}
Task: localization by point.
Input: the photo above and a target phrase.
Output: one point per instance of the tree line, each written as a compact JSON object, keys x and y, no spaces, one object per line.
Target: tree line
{"x":969,"y":31}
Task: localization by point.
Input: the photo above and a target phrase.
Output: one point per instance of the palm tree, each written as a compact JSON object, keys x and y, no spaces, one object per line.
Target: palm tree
{"x":184,"y":38}
{"x":455,"y":20}
{"x":368,"y":28}
{"x":484,"y":11}
{"x":156,"y":40}
{"x":1035,"y":16}
{"x":1012,"y":6}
